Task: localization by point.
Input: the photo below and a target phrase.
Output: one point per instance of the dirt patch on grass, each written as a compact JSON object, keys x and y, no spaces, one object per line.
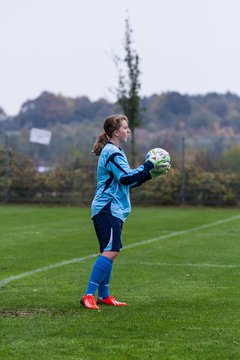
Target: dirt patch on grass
{"x":23,"y":313}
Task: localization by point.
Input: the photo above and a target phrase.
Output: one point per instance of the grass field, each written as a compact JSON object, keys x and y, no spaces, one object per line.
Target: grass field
{"x":182,"y":286}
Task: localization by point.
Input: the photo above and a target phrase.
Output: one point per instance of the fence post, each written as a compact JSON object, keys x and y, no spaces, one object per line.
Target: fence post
{"x":183,"y":172}
{"x":6,"y":166}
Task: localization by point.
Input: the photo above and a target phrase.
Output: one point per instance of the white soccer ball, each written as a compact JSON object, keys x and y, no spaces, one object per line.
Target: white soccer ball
{"x":157,"y":154}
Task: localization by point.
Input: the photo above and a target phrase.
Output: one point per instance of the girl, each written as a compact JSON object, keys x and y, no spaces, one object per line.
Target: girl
{"x":111,"y":204}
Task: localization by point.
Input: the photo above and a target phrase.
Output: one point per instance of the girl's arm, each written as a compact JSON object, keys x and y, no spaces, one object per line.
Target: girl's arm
{"x":119,"y":167}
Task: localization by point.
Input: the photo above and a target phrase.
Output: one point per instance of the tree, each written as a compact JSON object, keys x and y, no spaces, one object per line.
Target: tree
{"x":128,"y":88}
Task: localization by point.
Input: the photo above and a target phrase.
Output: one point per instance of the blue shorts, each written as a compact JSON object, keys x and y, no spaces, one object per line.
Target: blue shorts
{"x":109,"y":232}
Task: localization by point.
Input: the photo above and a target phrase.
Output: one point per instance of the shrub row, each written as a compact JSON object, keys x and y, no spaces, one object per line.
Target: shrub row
{"x":78,"y":186}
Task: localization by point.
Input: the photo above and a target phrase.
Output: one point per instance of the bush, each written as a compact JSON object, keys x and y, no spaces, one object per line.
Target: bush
{"x":76,"y":185}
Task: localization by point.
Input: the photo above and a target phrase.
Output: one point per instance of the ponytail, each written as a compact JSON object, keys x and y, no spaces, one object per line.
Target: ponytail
{"x":99,"y":144}
{"x":111,"y":123}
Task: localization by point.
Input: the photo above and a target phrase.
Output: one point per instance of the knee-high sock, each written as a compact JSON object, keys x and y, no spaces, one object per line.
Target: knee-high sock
{"x":103,"y":290}
{"x":99,"y":272}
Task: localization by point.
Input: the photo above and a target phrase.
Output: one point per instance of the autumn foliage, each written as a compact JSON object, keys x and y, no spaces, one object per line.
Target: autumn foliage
{"x":75,"y":184}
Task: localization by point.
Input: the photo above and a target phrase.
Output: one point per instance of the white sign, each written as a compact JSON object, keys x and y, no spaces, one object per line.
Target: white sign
{"x":40,"y":136}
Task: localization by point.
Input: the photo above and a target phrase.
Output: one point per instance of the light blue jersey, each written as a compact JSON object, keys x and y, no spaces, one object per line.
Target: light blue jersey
{"x":115,"y":178}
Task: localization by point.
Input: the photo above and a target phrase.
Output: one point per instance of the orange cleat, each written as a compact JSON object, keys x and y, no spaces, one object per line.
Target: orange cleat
{"x":110,"y":300}
{"x":88,"y":301}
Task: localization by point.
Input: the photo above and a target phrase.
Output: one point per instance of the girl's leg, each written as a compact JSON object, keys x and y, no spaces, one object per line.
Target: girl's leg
{"x":103,"y":290}
{"x":101,"y":268}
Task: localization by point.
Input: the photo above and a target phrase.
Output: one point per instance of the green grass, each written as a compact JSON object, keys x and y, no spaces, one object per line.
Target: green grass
{"x":183,"y":291}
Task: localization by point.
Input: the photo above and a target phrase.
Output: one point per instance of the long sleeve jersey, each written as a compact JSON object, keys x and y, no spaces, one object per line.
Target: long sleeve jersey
{"x":115,"y":178}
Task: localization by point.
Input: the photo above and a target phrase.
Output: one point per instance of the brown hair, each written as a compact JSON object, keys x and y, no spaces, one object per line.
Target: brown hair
{"x":111,"y":123}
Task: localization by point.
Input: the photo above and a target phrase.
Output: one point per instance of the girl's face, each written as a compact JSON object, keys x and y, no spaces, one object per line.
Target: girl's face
{"x":123,"y":131}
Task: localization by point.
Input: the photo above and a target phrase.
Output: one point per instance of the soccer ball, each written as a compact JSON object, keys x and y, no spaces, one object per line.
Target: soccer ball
{"x":157,"y":154}
{"x":162,"y":158}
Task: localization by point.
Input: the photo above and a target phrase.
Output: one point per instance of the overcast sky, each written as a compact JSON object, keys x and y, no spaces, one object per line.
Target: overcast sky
{"x":67,"y":47}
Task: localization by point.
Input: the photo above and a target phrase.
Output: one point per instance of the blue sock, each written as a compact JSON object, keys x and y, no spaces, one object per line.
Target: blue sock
{"x":103,"y":290}
{"x":99,"y":272}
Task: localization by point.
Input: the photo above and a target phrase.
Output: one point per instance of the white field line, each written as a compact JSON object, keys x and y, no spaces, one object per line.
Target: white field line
{"x":148,"y":241}
{"x":202,"y":265}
